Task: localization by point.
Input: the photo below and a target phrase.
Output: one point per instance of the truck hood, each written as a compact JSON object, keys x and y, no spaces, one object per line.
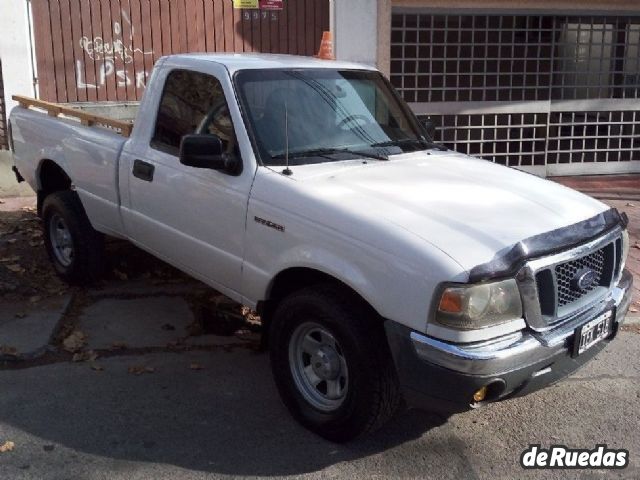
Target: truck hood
{"x":469,"y":208}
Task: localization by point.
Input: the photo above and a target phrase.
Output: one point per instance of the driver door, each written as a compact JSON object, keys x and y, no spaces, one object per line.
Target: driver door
{"x":193,"y":218}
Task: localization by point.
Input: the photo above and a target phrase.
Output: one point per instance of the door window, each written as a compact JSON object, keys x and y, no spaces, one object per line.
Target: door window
{"x":192,"y":102}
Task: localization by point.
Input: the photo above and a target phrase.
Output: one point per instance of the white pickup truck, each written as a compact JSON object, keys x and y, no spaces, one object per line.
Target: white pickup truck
{"x":388,"y":270}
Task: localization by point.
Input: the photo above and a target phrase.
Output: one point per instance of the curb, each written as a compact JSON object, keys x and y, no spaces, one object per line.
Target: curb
{"x":635,"y":320}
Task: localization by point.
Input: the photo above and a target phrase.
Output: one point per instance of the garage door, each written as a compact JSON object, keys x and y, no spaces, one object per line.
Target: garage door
{"x":104,"y":50}
{"x":554,"y":94}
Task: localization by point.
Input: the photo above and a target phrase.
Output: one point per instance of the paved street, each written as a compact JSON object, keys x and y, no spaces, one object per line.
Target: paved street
{"x":152,"y":376}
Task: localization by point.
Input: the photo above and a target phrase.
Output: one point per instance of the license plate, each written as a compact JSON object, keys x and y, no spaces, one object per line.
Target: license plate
{"x":592,"y":332}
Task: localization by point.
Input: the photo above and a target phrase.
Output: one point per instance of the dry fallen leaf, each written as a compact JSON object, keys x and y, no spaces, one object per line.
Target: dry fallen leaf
{"x":7,"y":447}
{"x":97,"y":368}
{"x":120,"y":275}
{"x":74,"y":342}
{"x":13,"y":258}
{"x":12,"y":241}
{"x":140,"y":369}
{"x":35,"y":299}
{"x":6,"y":350}
{"x":118,"y":346}
{"x":633,"y":309}
{"x":630,"y":204}
{"x":196,"y":366}
{"x":15,"y":268}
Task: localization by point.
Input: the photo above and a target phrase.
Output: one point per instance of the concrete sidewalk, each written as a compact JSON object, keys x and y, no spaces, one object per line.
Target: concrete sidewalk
{"x":9,"y":187}
{"x":614,"y":187}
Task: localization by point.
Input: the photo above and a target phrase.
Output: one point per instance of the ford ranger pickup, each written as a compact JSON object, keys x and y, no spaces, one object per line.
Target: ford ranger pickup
{"x":387,"y":269}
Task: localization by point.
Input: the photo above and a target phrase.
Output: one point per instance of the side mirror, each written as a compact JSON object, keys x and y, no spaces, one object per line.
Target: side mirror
{"x":429,"y":128}
{"x":205,"y":151}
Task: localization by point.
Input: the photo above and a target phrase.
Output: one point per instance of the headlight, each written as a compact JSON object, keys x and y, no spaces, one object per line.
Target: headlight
{"x":478,"y":306}
{"x":625,"y":249}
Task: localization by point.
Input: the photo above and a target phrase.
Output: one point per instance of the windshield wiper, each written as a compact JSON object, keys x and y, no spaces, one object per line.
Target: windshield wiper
{"x":422,"y":143}
{"x":323,"y":152}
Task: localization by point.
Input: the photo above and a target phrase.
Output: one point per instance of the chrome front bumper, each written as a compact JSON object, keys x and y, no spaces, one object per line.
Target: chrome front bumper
{"x":441,"y":376}
{"x":522,"y":349}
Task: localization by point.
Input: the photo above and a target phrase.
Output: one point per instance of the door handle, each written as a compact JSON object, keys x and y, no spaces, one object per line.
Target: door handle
{"x":143,"y":170}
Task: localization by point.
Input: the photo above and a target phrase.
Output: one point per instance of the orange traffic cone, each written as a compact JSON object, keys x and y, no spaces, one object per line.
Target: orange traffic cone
{"x":326,"y":47}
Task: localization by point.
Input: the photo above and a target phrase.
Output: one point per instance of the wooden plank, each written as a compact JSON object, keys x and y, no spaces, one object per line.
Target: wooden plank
{"x":156,"y":29}
{"x":108,"y":58}
{"x":138,"y":47}
{"x":218,"y":21}
{"x":78,"y":53}
{"x":176,"y":46}
{"x":67,"y":57}
{"x":54,"y":109}
{"x":127,"y":40}
{"x":209,"y":26}
{"x":117,"y":37}
{"x":283,"y":32}
{"x":320,"y":6}
{"x":238,"y":42}
{"x":99,"y":63}
{"x":265,"y":32}
{"x":165,"y":26}
{"x":229,"y":25}
{"x":274,"y":31}
{"x":255,"y":41}
{"x":292,"y":11}
{"x":147,"y":39}
{"x":44,"y":50}
{"x":309,"y":28}
{"x":85,"y":64}
{"x":182,"y":27}
{"x":58,"y":49}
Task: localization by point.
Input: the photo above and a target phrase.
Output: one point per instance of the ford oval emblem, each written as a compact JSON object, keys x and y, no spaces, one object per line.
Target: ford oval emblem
{"x":584,"y":279}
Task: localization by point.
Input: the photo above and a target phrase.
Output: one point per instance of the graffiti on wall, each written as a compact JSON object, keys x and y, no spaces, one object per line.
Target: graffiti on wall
{"x":105,"y":54}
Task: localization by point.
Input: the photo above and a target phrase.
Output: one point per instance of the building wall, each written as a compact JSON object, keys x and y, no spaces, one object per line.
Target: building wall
{"x":356,"y":31}
{"x":15,"y":51}
{"x":3,"y":123}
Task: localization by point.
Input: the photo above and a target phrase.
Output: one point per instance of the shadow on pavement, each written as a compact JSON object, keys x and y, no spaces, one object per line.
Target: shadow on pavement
{"x":226,"y":418}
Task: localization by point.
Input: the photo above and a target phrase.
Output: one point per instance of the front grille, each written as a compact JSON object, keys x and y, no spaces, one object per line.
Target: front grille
{"x":565,"y":272}
{"x":558,"y":293}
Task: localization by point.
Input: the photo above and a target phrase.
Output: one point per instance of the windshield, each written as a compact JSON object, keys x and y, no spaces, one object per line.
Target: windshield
{"x":325,"y":115}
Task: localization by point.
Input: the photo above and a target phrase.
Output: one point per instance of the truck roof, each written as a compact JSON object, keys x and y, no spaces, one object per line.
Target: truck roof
{"x":248,"y":61}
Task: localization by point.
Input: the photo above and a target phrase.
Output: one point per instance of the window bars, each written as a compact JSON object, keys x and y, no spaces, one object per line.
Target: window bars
{"x":571,"y":82}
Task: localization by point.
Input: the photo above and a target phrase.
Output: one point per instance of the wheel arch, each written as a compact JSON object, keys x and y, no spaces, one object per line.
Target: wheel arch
{"x":292,"y":279}
{"x":50,"y":178}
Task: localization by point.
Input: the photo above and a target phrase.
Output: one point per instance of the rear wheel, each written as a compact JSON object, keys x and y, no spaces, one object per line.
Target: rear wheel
{"x":74,"y":247}
{"x":332,"y":364}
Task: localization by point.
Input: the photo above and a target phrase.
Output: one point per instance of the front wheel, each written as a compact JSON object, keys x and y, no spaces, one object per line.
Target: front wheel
{"x":332,"y":364}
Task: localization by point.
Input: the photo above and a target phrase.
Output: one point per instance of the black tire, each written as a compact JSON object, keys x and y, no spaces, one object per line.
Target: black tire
{"x":372,"y":396}
{"x":86,"y":264}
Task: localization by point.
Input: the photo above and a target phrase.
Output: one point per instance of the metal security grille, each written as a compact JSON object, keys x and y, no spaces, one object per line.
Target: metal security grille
{"x":546,"y":91}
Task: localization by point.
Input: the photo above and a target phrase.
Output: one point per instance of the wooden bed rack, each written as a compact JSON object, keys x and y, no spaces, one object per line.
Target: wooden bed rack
{"x":88,"y":119}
